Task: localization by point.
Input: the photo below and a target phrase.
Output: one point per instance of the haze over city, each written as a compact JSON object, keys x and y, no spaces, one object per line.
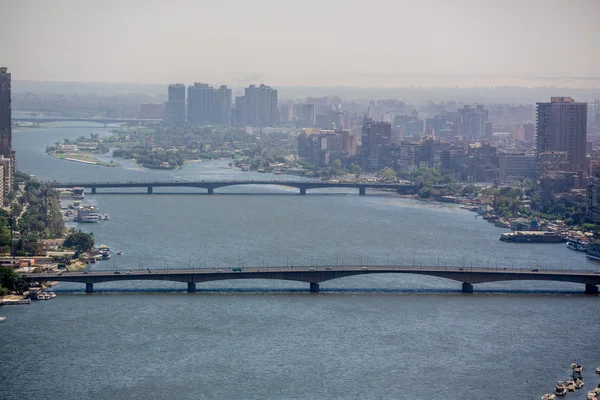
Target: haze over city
{"x":352,"y":43}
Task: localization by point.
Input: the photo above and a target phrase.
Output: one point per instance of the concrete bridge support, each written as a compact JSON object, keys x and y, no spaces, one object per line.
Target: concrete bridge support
{"x":150,"y":189}
{"x":211,"y":190}
{"x":467,"y":288}
{"x":314,"y":287}
{"x":89,"y":288}
{"x":191,"y":287}
{"x":362,"y":191}
{"x":303,"y":191}
{"x":591,"y":289}
{"x":93,"y":190}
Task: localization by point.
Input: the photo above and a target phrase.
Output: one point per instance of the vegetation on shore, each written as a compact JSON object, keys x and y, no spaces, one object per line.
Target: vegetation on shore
{"x":79,"y":241}
{"x":34,"y":215}
{"x":11,"y":282}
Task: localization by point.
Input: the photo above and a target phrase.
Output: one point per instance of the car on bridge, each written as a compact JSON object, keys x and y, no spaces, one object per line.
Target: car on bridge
{"x":237,"y":269}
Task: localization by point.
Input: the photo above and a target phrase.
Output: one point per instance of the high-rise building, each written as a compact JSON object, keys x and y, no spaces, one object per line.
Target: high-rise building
{"x":222,"y":106}
{"x":7,"y":155}
{"x":260,"y":105}
{"x":307,"y":117}
{"x":474,"y":121}
{"x":375,"y":135}
{"x":285,"y":113}
{"x":175,"y":108}
{"x":562,"y":127}
{"x":199,"y":103}
{"x":5,"y":113}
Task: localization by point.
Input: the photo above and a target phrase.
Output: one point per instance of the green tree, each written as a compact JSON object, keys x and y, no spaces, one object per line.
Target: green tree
{"x":387,"y":174}
{"x":11,"y":282}
{"x":337,"y":164}
{"x":80,"y":241}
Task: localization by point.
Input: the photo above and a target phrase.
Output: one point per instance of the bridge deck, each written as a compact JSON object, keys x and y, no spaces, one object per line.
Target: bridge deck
{"x":315,"y":275}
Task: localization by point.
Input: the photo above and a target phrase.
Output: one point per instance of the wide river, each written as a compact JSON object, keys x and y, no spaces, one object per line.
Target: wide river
{"x":364,"y":337}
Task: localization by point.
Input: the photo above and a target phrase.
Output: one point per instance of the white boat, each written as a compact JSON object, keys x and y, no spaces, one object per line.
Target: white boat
{"x":43,"y":296}
{"x":548,"y":396}
{"x":598,"y":369}
{"x":576,"y":245}
{"x":571,"y":385}
{"x":120,"y":252}
{"x":51,"y":294}
{"x":578,"y":383}
{"x":2,"y":319}
{"x":87,"y":214}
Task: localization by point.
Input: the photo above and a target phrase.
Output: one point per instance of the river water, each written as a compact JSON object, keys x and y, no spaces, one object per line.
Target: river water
{"x":373,"y":337}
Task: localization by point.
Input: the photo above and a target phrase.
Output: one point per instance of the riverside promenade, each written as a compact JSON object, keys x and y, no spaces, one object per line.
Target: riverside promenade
{"x":316,"y":274}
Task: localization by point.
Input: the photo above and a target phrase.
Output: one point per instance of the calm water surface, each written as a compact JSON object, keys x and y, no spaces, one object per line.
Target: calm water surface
{"x":380,"y":337}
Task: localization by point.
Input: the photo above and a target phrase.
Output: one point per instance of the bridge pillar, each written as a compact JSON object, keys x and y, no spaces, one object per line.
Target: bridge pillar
{"x":362,"y":191}
{"x":93,"y":190}
{"x":211,"y":190}
{"x":89,"y":287}
{"x":591,"y":289}
{"x":150,"y":189}
{"x":314,"y":287}
{"x":467,"y":288}
{"x":191,"y":287}
{"x":303,"y":191}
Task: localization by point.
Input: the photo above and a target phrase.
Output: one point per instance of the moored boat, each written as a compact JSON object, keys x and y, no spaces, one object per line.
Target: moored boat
{"x":598,"y":369}
{"x":576,"y":245}
{"x":578,"y":383}
{"x":560,"y":389}
{"x":548,"y":396}
{"x":2,"y":319}
{"x":571,"y":385}
{"x":531,"y":237}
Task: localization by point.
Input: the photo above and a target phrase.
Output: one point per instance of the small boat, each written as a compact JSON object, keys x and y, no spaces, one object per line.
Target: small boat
{"x":598,"y":369}
{"x":51,"y":294}
{"x":119,"y":252}
{"x":548,"y":396}
{"x":105,"y":255}
{"x":578,"y":383}
{"x":2,"y":319}
{"x":577,"y":369}
{"x":43,"y":296}
{"x":571,"y":385}
{"x":560,"y":389}
{"x":590,"y":396}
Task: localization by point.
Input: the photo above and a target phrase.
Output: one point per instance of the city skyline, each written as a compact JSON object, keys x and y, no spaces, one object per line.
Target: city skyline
{"x":465,"y":43}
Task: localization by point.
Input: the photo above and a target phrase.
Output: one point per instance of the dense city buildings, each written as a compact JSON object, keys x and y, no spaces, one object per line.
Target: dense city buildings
{"x":562,"y":127}
{"x":152,"y":111}
{"x":7,"y":155}
{"x":175,"y":107}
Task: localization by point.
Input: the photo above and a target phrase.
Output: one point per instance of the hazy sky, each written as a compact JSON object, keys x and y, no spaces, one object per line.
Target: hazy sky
{"x":302,"y":42}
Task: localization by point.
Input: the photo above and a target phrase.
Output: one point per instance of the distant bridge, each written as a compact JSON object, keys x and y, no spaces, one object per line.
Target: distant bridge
{"x":104,"y":121}
{"x":316,"y":275}
{"x":210,"y":186}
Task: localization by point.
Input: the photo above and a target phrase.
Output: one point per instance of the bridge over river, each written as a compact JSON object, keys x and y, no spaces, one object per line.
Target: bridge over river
{"x":315,"y":275}
{"x":210,"y":186}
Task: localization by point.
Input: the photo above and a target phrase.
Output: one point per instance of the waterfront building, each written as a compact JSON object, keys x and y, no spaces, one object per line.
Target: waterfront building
{"x":151,"y":111}
{"x":207,"y":105}
{"x":374,"y":136}
{"x":175,"y":108}
{"x":517,"y":166}
{"x":562,"y":127}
